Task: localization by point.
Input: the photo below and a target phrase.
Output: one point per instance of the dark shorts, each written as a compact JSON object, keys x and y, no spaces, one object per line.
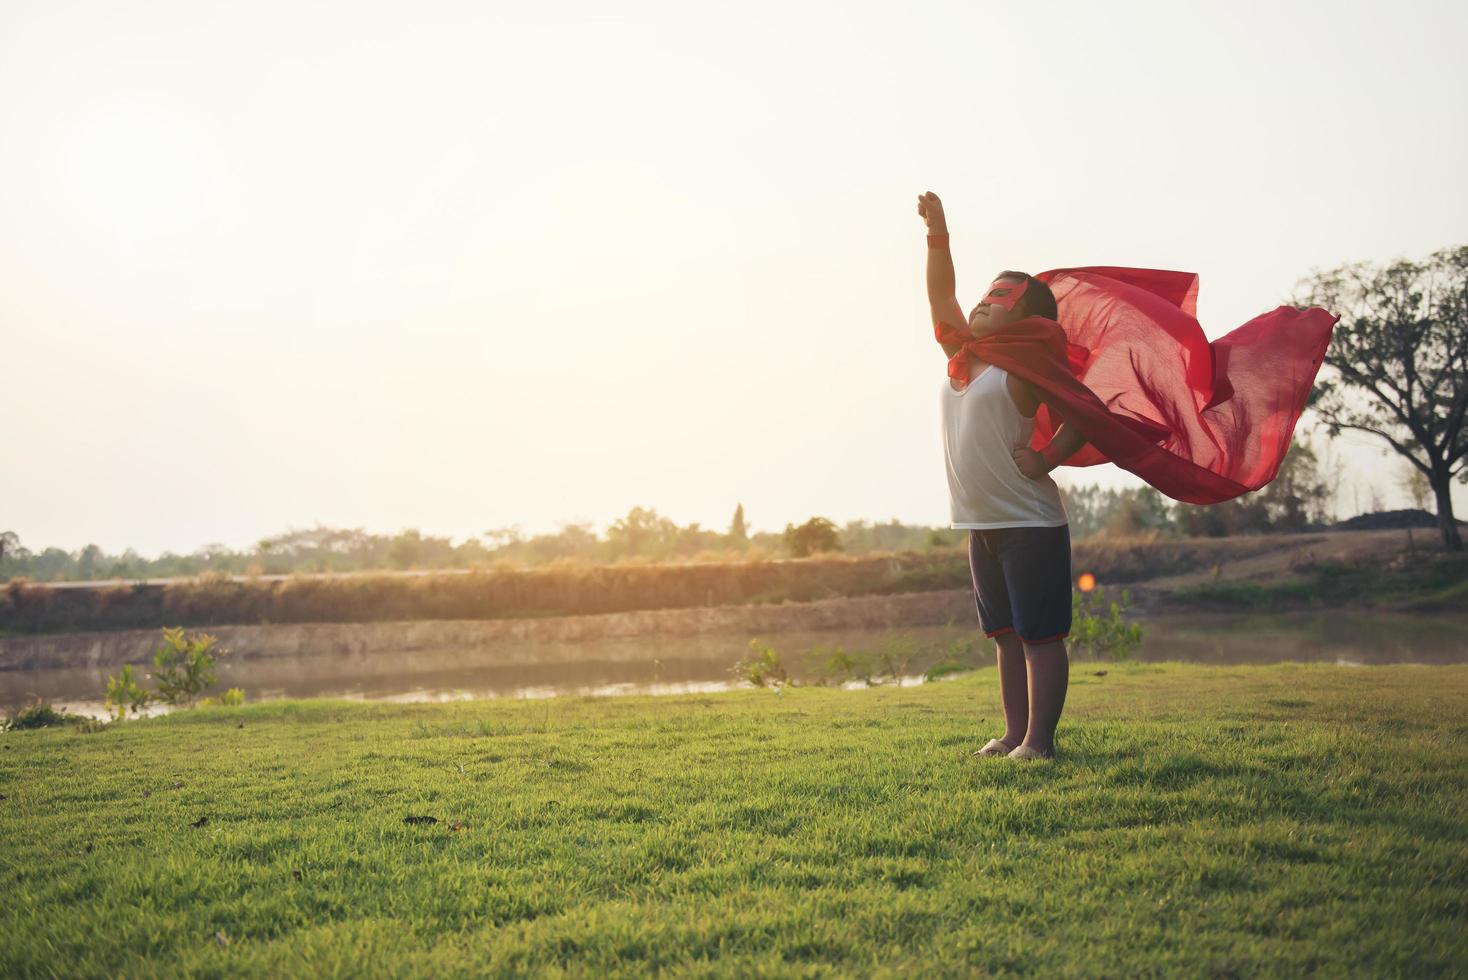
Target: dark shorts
{"x":1022,"y":581}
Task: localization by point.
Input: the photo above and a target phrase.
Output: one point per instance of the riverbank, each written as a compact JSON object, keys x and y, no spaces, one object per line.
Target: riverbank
{"x":1237,"y":820}
{"x":1382,"y":569}
{"x":522,"y":641}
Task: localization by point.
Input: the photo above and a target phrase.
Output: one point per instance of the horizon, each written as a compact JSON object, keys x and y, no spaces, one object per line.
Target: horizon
{"x":600,"y":531}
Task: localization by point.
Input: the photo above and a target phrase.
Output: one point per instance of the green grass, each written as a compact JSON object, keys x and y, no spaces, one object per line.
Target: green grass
{"x":1202,"y":821}
{"x":1427,"y":582}
{"x":1449,"y":597}
{"x":39,"y":714}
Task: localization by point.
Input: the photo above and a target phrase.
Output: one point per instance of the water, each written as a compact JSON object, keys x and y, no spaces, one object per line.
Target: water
{"x":703,"y":664}
{"x":1332,"y":636}
{"x":605,"y":667}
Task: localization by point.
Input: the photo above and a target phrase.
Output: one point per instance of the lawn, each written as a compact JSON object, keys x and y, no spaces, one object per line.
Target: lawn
{"x":1223,"y":821}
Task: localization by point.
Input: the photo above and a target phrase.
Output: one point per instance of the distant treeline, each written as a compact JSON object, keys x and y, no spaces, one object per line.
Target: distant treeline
{"x":642,"y":536}
{"x":214,"y":599}
{"x":1298,"y":499}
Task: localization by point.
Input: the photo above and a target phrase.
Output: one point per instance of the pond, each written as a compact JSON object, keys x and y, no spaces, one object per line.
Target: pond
{"x":705,"y":663}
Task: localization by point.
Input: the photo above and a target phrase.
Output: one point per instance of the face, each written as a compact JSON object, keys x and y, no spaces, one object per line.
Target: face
{"x":997,"y":308}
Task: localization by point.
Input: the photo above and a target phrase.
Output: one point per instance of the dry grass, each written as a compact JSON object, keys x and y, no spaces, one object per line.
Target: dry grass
{"x":563,"y":589}
{"x":573,"y":587}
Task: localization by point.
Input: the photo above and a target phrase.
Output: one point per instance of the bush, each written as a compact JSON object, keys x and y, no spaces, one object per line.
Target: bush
{"x":232,"y":698}
{"x":184,"y":666}
{"x":895,"y":657}
{"x":947,"y":668}
{"x":764,"y":667}
{"x":39,"y":714}
{"x":1101,"y":627}
{"x":837,"y":666}
{"x":124,"y":694}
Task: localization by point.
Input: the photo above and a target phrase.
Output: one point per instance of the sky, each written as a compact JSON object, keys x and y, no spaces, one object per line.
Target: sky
{"x":462,"y":266}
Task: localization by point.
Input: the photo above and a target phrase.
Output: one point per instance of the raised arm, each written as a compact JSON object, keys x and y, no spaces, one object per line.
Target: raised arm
{"x":942,"y":286}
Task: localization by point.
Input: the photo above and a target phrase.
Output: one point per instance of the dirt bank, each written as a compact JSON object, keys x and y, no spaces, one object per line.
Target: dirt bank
{"x":112,"y":649}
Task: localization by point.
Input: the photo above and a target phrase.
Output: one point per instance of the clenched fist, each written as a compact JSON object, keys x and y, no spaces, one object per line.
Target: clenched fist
{"x":930,"y":209}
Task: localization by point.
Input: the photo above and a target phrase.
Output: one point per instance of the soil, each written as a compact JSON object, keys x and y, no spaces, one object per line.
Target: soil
{"x":1384,"y":519}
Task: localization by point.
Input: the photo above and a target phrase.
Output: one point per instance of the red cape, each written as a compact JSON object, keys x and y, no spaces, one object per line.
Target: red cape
{"x":1132,"y":372}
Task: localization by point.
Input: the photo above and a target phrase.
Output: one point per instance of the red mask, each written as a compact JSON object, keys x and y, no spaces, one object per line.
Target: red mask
{"x":1008,"y":299}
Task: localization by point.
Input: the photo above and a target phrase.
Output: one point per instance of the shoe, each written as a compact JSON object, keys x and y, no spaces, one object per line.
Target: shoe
{"x":995,"y":747}
{"x":1024,"y":752}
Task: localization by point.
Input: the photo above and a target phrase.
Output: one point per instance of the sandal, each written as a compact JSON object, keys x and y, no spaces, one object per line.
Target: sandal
{"x":995,"y":747}
{"x":1025,"y":752}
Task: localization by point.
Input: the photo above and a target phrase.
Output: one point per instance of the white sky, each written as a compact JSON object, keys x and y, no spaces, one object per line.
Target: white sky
{"x":462,"y":265}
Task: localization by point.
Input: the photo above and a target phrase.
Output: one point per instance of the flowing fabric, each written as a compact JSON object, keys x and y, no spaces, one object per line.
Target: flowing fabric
{"x":1129,"y":368}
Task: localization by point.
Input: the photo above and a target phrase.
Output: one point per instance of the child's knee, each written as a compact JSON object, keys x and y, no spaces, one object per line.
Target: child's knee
{"x":1050,"y":647}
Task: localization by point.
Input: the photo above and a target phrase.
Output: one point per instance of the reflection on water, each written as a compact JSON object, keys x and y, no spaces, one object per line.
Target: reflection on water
{"x":703,"y":664}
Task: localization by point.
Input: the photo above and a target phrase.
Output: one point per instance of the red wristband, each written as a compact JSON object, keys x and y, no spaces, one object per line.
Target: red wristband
{"x":938,"y":241}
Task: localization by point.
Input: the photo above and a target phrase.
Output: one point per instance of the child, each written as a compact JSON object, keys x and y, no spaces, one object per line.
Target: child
{"x":1001,"y":493}
{"x":1092,"y":365}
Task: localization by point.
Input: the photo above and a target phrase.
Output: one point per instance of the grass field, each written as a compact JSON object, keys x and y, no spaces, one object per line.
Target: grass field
{"x":1430,"y":582}
{"x":1221,"y":821}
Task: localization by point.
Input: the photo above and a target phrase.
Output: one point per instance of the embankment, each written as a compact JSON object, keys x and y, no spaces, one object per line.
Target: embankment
{"x":108,"y":650}
{"x":489,"y":594}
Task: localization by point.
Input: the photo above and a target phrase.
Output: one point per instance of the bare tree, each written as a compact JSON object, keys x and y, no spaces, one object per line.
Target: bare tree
{"x":1399,"y":361}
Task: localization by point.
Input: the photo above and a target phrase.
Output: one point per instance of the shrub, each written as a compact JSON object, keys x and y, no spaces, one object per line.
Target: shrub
{"x":124,"y":694}
{"x":895,"y":656}
{"x":763,"y":667}
{"x":837,"y":665}
{"x":39,"y":714}
{"x":1101,"y":627}
{"x":946,"y":669}
{"x":232,"y":698}
{"x":184,"y":666}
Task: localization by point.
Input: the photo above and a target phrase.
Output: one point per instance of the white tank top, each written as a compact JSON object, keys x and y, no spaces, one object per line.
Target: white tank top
{"x":981,"y":429}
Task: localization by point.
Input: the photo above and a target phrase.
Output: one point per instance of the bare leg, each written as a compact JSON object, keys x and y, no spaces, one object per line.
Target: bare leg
{"x":1012,"y":688}
{"x":1049,"y":676}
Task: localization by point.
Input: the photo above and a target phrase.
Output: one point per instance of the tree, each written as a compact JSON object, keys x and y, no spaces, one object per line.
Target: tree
{"x":407,"y":548}
{"x":1248,"y":514}
{"x":642,"y":532}
{"x":1399,"y":363}
{"x":1087,"y":507}
{"x":1136,"y":511}
{"x":816,"y":534}
{"x":1415,"y":485}
{"x":1300,"y":492}
{"x":1117,"y":512}
{"x":51,"y":565}
{"x":504,"y":537}
{"x":738,"y":533}
{"x":9,"y":544}
{"x":86,"y":563}
{"x":1200,"y":521}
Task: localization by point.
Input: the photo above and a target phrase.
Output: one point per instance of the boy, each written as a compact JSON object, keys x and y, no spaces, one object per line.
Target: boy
{"x":1129,"y":378}
{"x":1001,"y":493}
